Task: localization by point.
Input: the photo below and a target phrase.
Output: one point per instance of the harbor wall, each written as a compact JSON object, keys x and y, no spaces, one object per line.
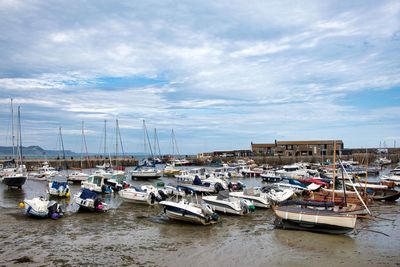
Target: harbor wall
{"x":72,"y":163}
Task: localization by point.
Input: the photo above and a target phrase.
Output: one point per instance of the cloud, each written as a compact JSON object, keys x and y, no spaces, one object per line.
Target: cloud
{"x":229,"y":70}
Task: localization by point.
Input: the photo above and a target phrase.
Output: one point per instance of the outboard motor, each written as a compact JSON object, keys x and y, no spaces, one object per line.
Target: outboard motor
{"x":54,"y":209}
{"x":152,"y":198}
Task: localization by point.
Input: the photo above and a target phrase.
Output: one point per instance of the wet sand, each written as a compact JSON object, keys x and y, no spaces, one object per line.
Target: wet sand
{"x":137,"y":235}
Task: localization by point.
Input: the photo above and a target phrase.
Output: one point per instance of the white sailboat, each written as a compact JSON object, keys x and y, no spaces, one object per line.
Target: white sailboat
{"x":18,"y":177}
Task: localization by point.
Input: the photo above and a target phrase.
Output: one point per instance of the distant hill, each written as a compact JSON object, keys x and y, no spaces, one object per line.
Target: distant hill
{"x":35,"y":151}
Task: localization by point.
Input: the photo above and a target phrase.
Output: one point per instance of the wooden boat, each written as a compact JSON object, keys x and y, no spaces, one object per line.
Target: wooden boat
{"x":384,"y":194}
{"x":316,"y":220}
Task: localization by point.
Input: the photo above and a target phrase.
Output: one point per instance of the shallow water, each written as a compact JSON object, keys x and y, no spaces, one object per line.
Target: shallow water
{"x":138,"y":235}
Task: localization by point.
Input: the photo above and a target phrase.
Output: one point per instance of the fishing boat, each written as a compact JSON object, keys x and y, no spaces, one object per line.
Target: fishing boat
{"x":58,"y":189}
{"x":384,"y":194}
{"x":226,"y":204}
{"x":307,"y":217}
{"x":146,"y":194}
{"x":39,"y":207}
{"x":89,"y":201}
{"x":188,"y":211}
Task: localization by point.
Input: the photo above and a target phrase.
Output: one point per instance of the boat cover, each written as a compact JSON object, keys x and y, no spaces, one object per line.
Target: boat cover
{"x":87,"y":194}
{"x":224,"y":194}
{"x":197,"y":181}
{"x":57,"y":185}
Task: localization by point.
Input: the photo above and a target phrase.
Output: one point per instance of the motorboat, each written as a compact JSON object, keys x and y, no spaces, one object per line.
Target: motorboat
{"x":297,"y":186}
{"x":271,"y":176}
{"x":58,"y":189}
{"x":187,"y":176}
{"x":45,"y":172}
{"x":209,"y":185}
{"x":258,"y":198}
{"x":145,"y":172}
{"x":89,"y":201}
{"x":276,"y":194}
{"x":77,"y":177}
{"x":188,"y":211}
{"x":146,"y":194}
{"x":171,"y":171}
{"x":97,"y":183}
{"x":39,"y":207}
{"x":226,"y":204}
{"x":293,"y":171}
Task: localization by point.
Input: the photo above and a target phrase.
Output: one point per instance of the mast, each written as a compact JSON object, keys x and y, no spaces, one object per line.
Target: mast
{"x":63,"y":150}
{"x":19,"y":137}
{"x":174,"y":144}
{"x":84,"y":147}
{"x":344,"y":188}
{"x":12,"y":130}
{"x":146,"y":135}
{"x":354,"y":188}
{"x":105,"y":140}
{"x":334,"y":170}
{"x":116,"y":141}
{"x":156,"y":143}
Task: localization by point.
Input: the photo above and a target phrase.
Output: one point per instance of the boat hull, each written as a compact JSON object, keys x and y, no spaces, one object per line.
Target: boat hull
{"x":144,"y":176}
{"x":312,"y":227}
{"x":14,"y":181}
{"x":186,"y":216}
{"x":225,"y":208}
{"x":314,"y":220}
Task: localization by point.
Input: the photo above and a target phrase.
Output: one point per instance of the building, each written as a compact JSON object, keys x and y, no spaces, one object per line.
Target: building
{"x":317,"y":148}
{"x":227,"y":153}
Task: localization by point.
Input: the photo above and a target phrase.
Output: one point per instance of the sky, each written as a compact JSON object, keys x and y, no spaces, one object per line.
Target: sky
{"x":222,"y":74}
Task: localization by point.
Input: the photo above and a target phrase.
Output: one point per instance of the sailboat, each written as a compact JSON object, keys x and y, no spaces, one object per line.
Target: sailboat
{"x":18,"y":177}
{"x":146,"y":170}
{"x":79,"y":176}
{"x":177,"y":161}
{"x":59,"y":188}
{"x":315,"y":216}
